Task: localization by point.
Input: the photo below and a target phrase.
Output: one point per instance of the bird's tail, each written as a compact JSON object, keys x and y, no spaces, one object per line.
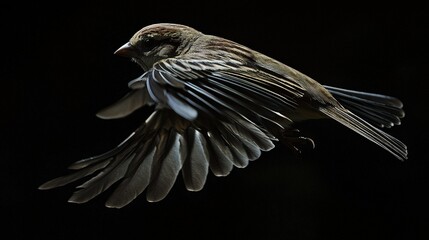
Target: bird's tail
{"x":360,"y":110}
{"x":377,"y":109}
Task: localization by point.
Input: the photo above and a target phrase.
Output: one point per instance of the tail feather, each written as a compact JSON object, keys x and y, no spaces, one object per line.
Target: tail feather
{"x":377,"y":109}
{"x":362,"y":127}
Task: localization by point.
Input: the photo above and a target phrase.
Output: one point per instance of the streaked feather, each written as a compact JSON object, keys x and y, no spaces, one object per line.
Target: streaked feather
{"x":244,"y":102}
{"x":222,"y":101}
{"x":204,"y":101}
{"x":170,"y":80}
{"x":194,"y":101}
{"x":249,"y":82}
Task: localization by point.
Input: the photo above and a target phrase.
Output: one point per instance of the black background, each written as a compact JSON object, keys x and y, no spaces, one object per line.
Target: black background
{"x":58,"y":70}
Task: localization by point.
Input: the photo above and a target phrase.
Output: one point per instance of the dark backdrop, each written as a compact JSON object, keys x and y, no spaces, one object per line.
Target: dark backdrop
{"x":58,"y":70}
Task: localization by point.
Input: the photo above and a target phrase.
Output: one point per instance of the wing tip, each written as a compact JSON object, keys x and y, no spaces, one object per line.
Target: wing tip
{"x":46,"y":186}
{"x":74,"y":199}
{"x":103,"y":115}
{"x":194,"y":188}
{"x":115,"y":205}
{"x":153,"y":199}
{"x":53,"y":183}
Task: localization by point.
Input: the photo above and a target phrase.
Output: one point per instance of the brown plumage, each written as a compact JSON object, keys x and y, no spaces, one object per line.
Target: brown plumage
{"x":218,"y":105}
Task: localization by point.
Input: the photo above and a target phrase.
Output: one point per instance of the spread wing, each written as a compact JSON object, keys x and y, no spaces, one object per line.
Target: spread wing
{"x":210,"y":115}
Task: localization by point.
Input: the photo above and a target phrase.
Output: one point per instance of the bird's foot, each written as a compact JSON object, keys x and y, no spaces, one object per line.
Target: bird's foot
{"x":292,"y":139}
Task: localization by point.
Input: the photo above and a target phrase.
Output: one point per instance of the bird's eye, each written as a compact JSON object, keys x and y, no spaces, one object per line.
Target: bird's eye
{"x":148,"y":44}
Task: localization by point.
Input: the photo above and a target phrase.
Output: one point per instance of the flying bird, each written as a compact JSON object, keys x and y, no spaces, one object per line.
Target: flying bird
{"x":217,"y":104}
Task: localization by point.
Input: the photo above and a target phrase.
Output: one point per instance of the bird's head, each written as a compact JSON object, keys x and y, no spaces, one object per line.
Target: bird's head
{"x":158,"y":41}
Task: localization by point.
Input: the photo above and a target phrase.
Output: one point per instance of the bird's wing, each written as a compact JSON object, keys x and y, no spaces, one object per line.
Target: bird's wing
{"x":132,"y":101}
{"x":223,"y":85}
{"x":210,"y":115}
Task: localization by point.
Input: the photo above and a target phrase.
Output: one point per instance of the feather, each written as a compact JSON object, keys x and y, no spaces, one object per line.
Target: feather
{"x":182,"y":108}
{"x":236,"y":91}
{"x":281,"y":81}
{"x":380,"y":118}
{"x":195,"y":168}
{"x":139,"y":82}
{"x":240,"y":158}
{"x":61,"y":181}
{"x":381,"y":110}
{"x":126,"y":105}
{"x":186,"y":65}
{"x":252,"y":150}
{"x":255,"y":89}
{"x":169,"y":157}
{"x":360,"y":126}
{"x":220,"y":101}
{"x":170,"y":80}
{"x":195,"y":104}
{"x":204,"y":102}
{"x":111,"y":168}
{"x":244,"y":103}
{"x":156,"y":91}
{"x":102,"y":181}
{"x":220,"y":156}
{"x":372,"y":97}
{"x":110,"y":154}
{"x":135,"y":184}
{"x":252,"y":133}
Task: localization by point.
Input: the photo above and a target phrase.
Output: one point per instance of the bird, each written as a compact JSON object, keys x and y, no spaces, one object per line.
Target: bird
{"x":216,"y":104}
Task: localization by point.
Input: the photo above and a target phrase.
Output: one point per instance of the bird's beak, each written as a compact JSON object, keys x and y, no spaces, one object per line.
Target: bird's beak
{"x":127,"y":50}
